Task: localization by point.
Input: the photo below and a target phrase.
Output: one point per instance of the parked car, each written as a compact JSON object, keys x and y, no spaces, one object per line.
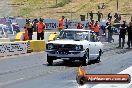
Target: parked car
{"x":3,"y":28}
{"x":15,"y":27}
{"x":74,"y":44}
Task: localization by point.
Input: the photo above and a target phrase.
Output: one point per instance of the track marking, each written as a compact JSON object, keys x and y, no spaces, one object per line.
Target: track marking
{"x":10,"y":82}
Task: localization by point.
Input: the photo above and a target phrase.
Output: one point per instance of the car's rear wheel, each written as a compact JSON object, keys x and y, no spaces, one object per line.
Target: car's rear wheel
{"x":86,"y":59}
{"x":49,"y":60}
{"x":98,"y":58}
{"x":67,"y":61}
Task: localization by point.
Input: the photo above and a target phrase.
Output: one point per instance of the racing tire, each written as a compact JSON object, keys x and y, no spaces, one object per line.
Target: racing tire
{"x":67,"y":61}
{"x":86,"y":60}
{"x":98,"y":58}
{"x":49,"y":60}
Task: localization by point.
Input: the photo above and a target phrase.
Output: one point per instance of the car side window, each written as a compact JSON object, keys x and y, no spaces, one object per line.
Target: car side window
{"x":92,"y":37}
{"x":87,"y":38}
{"x":69,"y":35}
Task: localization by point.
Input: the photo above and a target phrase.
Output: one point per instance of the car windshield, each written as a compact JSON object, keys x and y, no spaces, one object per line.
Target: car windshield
{"x":74,"y":35}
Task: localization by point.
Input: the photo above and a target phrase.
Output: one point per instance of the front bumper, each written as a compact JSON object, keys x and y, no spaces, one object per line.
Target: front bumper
{"x":65,"y":54}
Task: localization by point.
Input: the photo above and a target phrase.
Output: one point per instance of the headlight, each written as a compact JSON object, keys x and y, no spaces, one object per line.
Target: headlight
{"x":78,"y":47}
{"x":50,"y":46}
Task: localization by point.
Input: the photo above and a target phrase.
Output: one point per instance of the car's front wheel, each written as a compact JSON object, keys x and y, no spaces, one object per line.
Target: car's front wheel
{"x":49,"y":60}
{"x":86,"y":59}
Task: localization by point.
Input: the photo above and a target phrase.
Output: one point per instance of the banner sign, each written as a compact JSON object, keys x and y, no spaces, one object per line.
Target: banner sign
{"x":72,"y":24}
{"x":12,"y":48}
{"x":51,"y":24}
{"x":2,"y":20}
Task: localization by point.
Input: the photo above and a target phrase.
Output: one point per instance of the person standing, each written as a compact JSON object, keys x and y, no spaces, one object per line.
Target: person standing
{"x":91,"y":15}
{"x":103,"y":6}
{"x":110,"y":32}
{"x":116,"y":16}
{"x":29,"y":29}
{"x":109,"y":17}
{"x":61,"y":23}
{"x":66,"y":23}
{"x":35,"y":21}
{"x":129,"y":30}
{"x":79,"y":26}
{"x":40,"y":29}
{"x":122,"y":34}
{"x":87,"y":26}
{"x":91,"y":26}
{"x":96,"y":28}
{"x":100,"y":15}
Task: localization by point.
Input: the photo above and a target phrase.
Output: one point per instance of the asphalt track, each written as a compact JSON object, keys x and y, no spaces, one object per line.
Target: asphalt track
{"x":32,"y":71}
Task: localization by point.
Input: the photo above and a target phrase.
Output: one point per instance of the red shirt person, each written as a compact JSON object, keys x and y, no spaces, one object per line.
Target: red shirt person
{"x":40,"y":29}
{"x":92,"y":25}
{"x":97,"y":28}
{"x":61,"y":23}
{"x":28,"y":30}
{"x":79,"y":26}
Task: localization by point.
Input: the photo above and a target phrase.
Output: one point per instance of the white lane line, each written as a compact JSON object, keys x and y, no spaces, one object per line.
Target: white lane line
{"x":126,"y":85}
{"x":12,"y":81}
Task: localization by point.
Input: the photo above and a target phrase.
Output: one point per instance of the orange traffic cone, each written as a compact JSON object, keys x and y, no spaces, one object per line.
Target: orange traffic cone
{"x":26,"y":35}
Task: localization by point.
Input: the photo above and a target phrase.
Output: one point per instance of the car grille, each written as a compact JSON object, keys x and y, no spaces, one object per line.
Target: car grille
{"x":64,"y":47}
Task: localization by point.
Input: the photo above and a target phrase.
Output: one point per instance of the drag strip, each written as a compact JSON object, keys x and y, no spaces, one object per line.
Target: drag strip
{"x":66,"y":78}
{"x":32,"y":71}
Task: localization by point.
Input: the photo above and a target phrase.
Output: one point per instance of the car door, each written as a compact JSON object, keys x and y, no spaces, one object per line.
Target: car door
{"x":92,"y":50}
{"x":93,"y":44}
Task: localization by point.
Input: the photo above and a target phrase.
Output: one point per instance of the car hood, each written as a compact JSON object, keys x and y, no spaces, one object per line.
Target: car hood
{"x":68,"y":42}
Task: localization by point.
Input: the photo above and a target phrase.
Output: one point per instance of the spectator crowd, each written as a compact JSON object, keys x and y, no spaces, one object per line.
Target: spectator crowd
{"x":94,"y":25}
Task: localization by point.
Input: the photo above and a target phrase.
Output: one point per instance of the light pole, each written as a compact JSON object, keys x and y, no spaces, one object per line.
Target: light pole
{"x":117,"y":4}
{"x":56,"y":2}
